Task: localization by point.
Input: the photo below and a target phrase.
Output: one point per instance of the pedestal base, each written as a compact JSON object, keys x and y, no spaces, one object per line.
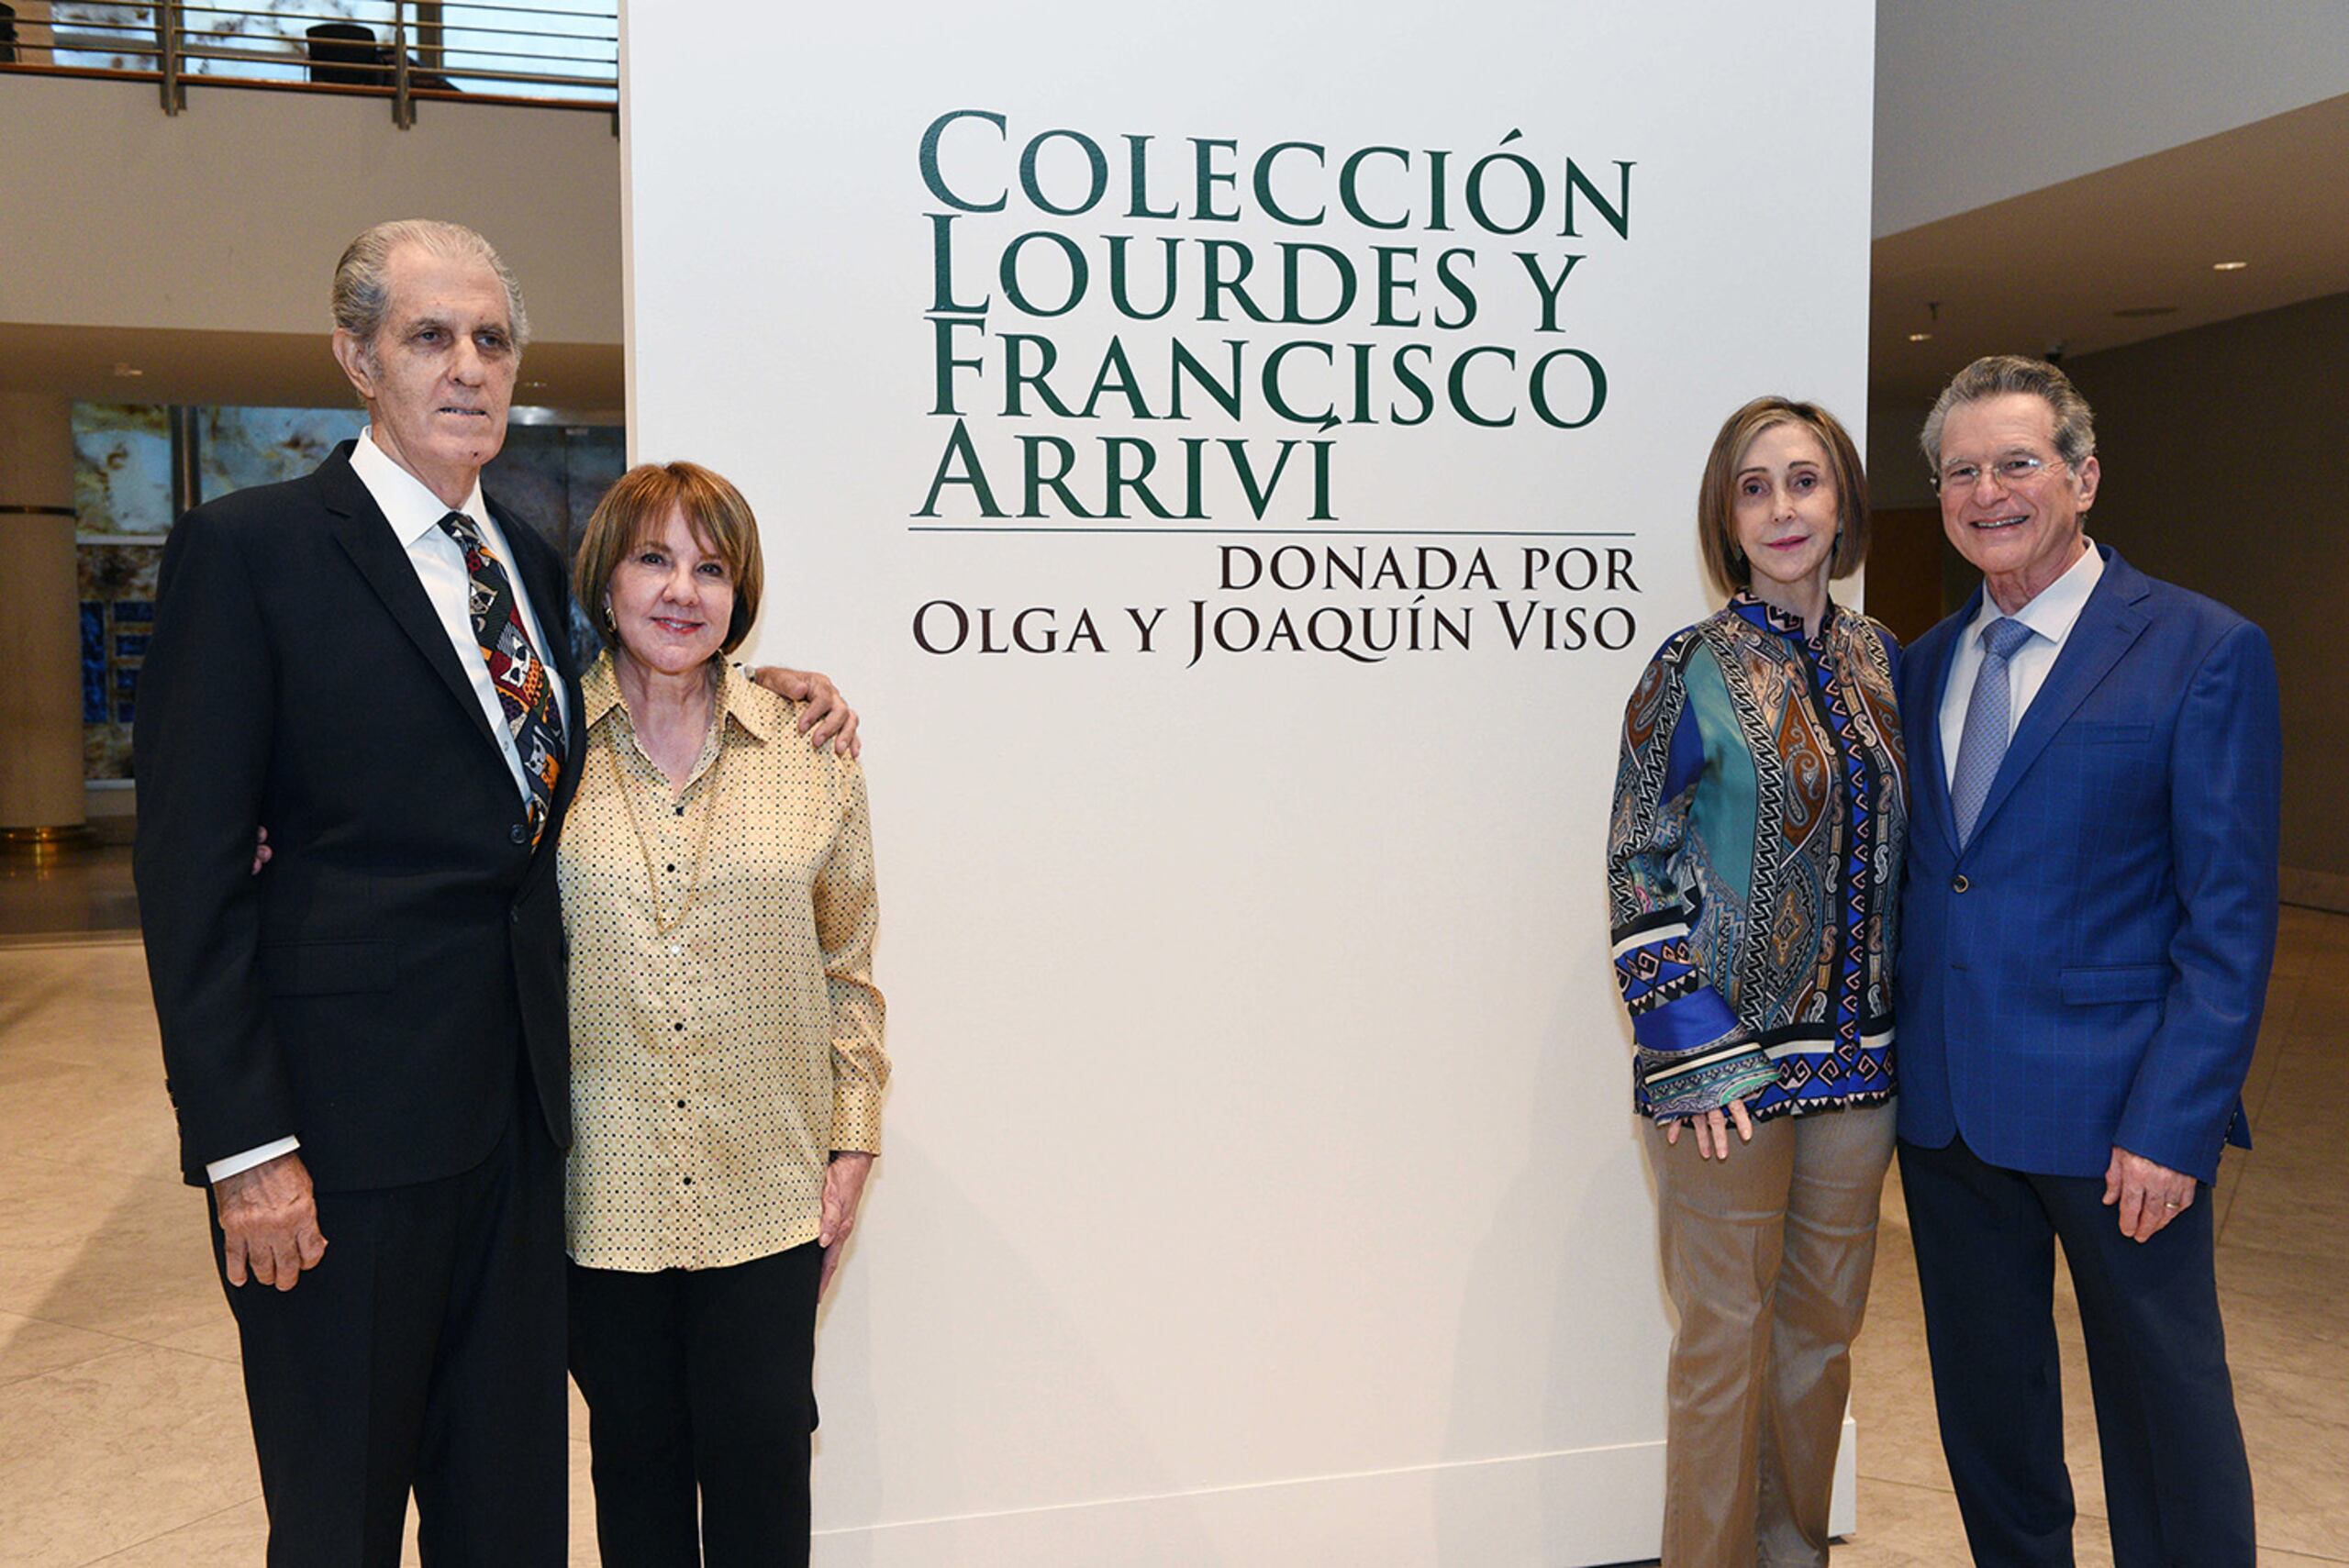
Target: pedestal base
{"x":40,"y":845}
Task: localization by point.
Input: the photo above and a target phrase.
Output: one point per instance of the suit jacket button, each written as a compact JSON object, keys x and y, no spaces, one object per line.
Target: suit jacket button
{"x":1960,"y":886}
{"x":519,"y":833}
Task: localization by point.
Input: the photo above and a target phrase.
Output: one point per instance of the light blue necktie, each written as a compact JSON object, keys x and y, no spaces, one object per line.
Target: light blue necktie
{"x":1983,"y":746}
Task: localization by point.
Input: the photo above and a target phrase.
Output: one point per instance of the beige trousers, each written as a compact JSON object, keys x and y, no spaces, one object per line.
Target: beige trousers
{"x":1766,"y":1255}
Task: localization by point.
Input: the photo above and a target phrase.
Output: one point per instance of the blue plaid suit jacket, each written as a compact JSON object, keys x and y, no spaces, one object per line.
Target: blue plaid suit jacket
{"x":2089,"y":970}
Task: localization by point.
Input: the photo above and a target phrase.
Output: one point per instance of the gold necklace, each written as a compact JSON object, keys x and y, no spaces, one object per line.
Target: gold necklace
{"x":710,"y":814}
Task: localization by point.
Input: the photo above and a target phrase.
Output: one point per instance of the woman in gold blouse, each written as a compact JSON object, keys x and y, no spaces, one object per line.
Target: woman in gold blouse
{"x":727,"y":1057}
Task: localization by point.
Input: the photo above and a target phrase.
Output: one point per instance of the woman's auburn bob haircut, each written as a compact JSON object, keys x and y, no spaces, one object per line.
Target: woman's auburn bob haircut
{"x":636,"y":509}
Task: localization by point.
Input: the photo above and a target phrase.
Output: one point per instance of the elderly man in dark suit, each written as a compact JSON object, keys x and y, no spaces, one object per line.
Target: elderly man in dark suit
{"x":367,"y":1046}
{"x":2089,"y":913}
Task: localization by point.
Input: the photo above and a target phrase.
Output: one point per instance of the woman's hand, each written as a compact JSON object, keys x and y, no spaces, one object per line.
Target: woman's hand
{"x":828,"y":719}
{"x":843,"y":1190}
{"x":1712,"y":1130}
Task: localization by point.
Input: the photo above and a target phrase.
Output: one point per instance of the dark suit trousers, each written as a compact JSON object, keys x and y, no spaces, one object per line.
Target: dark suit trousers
{"x":699,"y":1380}
{"x":425,"y":1351}
{"x":2177,"y":1485}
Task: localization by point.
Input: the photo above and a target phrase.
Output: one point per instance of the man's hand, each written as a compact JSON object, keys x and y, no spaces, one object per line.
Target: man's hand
{"x":1712,"y":1130}
{"x":2150,"y":1195}
{"x":269,"y":1222}
{"x":261,"y":851}
{"x":843,"y":1190}
{"x":827,"y":719}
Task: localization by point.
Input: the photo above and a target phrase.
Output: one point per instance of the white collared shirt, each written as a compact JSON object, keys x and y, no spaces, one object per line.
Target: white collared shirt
{"x":2051,"y":615}
{"x":414,"y":514}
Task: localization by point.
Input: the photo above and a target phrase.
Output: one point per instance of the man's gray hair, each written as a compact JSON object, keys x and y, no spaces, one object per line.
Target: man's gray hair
{"x":1995,"y":375}
{"x":362,"y":287}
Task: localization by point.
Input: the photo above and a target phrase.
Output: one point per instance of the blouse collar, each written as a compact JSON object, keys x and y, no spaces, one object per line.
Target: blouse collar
{"x":600,"y":688}
{"x":1770,"y":618}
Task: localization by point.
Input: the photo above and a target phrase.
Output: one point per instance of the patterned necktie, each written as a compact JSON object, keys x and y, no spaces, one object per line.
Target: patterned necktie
{"x":525,"y":686}
{"x":1983,"y":745}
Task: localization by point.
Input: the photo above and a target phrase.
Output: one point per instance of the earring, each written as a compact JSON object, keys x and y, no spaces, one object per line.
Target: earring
{"x":609,"y":624}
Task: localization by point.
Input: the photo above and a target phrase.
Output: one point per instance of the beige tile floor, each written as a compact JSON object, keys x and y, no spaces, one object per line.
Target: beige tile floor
{"x":123,"y":1438}
{"x":122,"y":1430}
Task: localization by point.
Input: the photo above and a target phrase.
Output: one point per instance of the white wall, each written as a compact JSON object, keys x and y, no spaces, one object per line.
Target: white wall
{"x":2153,"y":399}
{"x":1989,"y":99}
{"x":228,"y":217}
{"x":1260,"y":1186}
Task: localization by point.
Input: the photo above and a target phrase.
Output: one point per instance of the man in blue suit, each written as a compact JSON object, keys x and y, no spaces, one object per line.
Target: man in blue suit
{"x":2089,"y":915}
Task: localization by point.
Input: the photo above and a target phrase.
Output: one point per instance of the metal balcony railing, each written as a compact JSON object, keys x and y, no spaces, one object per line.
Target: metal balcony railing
{"x":559,"y":53}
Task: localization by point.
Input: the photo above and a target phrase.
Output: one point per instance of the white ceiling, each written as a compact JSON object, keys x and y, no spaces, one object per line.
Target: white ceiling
{"x":1985,"y":99}
{"x":2060,"y":264}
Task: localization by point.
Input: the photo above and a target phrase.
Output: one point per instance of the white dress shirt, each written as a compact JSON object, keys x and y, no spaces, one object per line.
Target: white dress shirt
{"x":2051,"y":615}
{"x":414,"y":514}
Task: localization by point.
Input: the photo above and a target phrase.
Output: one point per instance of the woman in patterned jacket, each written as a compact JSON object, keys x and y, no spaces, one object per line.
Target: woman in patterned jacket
{"x":1754,"y":857}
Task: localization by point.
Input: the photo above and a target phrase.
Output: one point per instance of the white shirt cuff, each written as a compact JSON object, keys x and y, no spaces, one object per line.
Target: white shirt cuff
{"x":221,"y":1170}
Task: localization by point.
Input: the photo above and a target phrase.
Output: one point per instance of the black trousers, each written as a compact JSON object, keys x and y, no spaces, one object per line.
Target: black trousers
{"x":425,"y":1352}
{"x":700,"y":1379}
{"x":2176,"y":1484}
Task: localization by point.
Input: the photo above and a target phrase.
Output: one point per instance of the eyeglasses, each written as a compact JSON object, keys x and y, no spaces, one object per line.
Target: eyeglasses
{"x":2008,"y":471}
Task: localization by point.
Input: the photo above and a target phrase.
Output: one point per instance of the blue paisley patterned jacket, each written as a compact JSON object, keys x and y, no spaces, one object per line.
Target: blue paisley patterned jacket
{"x":1753,"y":863}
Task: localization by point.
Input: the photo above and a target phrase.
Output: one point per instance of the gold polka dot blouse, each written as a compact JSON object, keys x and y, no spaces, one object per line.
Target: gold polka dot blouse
{"x":725,"y":1029}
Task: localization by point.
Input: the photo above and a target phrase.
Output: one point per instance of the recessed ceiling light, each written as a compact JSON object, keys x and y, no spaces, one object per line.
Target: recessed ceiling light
{"x":124,"y":368}
{"x":1921,"y":337}
{"x":2229,"y":266}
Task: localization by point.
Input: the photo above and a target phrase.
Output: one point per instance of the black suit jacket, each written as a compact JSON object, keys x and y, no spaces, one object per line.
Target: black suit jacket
{"x":370,"y":992}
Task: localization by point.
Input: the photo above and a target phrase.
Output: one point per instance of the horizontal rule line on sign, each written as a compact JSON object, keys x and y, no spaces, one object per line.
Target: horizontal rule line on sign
{"x":1310,"y":533}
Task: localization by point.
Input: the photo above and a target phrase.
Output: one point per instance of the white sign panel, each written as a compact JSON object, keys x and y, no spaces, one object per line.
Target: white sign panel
{"x":1238,"y":457}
